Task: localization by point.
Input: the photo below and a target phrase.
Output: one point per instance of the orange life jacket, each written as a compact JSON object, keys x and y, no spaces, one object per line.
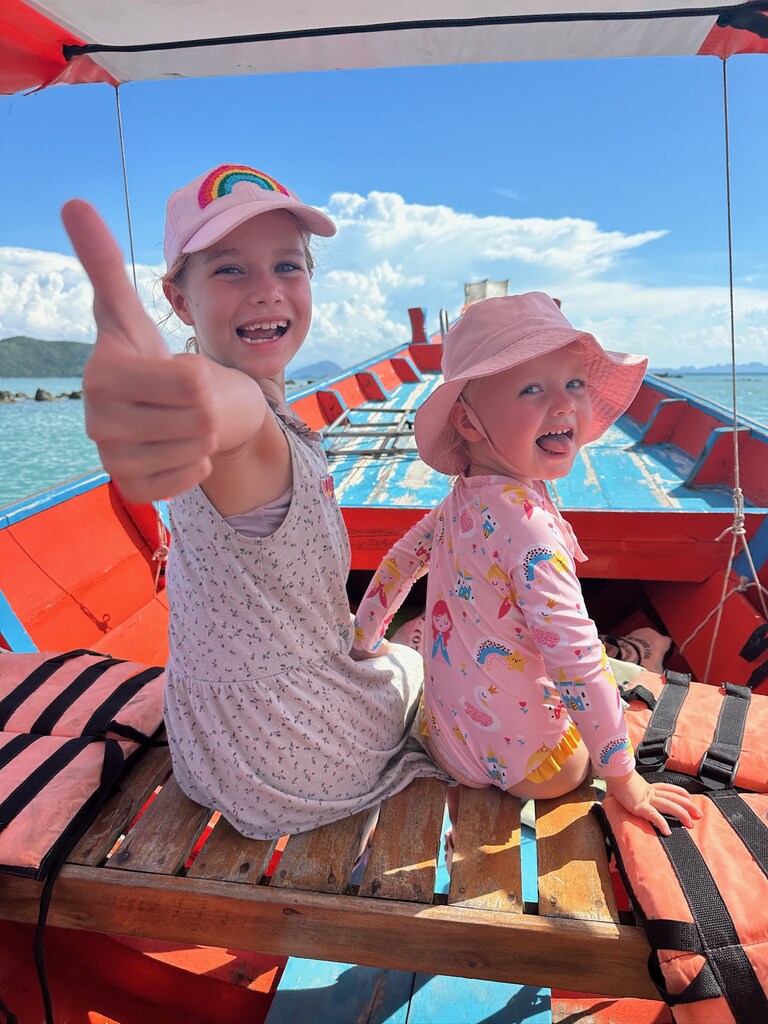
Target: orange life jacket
{"x":68,"y":722}
{"x":717,"y":734}
{"x":702,"y":896}
{"x":68,"y":725}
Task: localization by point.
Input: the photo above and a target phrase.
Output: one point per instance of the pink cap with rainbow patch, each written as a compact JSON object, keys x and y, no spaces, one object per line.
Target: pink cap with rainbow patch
{"x":212,"y":205}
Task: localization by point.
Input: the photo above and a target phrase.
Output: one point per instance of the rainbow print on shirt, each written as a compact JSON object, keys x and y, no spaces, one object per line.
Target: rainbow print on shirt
{"x":222,"y":180}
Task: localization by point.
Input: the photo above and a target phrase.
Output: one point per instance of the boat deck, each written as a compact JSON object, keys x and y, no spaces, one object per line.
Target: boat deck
{"x":661,"y":478}
{"x":372,"y":452}
{"x":177,"y":873}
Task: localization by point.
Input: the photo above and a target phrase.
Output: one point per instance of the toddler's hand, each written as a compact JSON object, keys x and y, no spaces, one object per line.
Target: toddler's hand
{"x":385,"y":647}
{"x":652,"y":801}
{"x":149,"y":413}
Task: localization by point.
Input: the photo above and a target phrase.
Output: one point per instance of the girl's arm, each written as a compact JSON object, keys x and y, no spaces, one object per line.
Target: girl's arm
{"x":163,"y":424}
{"x":553,"y":607}
{"x":406,"y":562}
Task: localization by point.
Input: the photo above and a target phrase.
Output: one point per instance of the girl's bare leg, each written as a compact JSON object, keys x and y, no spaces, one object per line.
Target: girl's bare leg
{"x":570,"y":776}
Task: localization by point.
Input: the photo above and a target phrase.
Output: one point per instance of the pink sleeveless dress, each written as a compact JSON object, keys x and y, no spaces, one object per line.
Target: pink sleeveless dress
{"x":269,"y":720}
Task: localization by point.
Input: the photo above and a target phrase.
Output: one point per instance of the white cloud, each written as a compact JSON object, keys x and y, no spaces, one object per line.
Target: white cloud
{"x":390,"y":255}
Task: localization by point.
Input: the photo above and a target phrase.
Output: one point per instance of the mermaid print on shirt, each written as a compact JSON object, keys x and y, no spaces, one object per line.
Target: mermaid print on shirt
{"x":442,"y":625}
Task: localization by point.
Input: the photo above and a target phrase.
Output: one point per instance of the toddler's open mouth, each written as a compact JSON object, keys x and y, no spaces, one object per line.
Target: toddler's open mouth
{"x":264,"y":330}
{"x":558,"y":442}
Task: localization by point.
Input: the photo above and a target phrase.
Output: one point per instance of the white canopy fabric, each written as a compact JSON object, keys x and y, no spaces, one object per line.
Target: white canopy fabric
{"x":71,"y":41}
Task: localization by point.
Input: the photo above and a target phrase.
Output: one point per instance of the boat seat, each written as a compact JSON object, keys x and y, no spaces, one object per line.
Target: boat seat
{"x":176,"y":872}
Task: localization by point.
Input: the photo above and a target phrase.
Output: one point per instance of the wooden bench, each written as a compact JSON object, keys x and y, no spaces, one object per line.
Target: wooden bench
{"x":127,"y":876}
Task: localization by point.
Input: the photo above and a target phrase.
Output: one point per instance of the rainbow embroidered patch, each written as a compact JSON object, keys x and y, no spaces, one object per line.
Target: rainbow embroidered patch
{"x":222,"y":180}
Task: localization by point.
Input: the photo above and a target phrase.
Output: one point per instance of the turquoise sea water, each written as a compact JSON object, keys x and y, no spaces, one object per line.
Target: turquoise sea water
{"x":44,"y":443}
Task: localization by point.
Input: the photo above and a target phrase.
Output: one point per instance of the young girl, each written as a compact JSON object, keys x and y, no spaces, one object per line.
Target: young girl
{"x":269,"y":718}
{"x":518,"y":692}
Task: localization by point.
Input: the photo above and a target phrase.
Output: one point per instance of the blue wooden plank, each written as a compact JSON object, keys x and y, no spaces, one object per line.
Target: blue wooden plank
{"x":47,"y":499}
{"x":529,"y":863}
{"x":758,"y":549}
{"x":442,"y":1000}
{"x":321,"y":992}
{"x":12,"y":629}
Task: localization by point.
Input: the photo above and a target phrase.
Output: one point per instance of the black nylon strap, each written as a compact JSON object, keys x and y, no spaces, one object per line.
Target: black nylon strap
{"x":653,"y":751}
{"x":703,"y":986}
{"x":110,"y":772}
{"x":721,"y":762}
{"x":127,"y":732}
{"x":13,"y":700}
{"x":100,"y":720}
{"x":48,"y":719}
{"x":663,"y":933}
{"x":747,"y":825}
{"x":15,"y":747}
{"x":719,"y":939}
{"x":27,"y":790}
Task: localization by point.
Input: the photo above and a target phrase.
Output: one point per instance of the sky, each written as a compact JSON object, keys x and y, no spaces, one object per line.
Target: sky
{"x":600,"y":182}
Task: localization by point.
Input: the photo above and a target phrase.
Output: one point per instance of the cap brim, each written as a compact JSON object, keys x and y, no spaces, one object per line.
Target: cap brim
{"x":216,"y":228}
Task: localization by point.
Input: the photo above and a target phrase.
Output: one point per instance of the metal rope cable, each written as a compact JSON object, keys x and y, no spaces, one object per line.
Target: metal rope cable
{"x":737,"y":529}
{"x":160,"y":554}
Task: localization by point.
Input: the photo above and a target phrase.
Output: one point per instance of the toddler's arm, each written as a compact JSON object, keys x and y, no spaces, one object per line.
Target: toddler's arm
{"x":158,"y":420}
{"x":651,"y":801}
{"x":405,"y":562}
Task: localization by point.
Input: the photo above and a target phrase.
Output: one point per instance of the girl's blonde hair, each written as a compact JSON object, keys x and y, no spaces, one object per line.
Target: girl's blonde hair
{"x":455,"y":444}
{"x":175,"y":274}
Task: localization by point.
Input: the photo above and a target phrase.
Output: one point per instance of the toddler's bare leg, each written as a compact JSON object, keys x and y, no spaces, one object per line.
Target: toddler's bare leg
{"x":571,"y":775}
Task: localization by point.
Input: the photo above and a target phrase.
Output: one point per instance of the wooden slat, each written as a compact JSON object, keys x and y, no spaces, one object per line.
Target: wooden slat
{"x":486,"y":872}
{"x":115,"y":817}
{"x":165,"y":834}
{"x":601,"y":957}
{"x":229,"y":857}
{"x":322,"y":859}
{"x":574,"y":880}
{"x":402,"y":864}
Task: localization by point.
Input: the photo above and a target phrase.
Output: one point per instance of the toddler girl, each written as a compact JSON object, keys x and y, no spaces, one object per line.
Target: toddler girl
{"x":269,"y":718}
{"x":518,"y":692}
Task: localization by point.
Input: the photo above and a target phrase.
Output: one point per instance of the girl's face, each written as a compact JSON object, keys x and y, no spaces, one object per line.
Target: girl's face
{"x":537,"y":414}
{"x":248,"y":296}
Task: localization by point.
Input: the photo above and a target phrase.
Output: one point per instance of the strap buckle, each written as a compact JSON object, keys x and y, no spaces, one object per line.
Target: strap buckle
{"x":653,"y":754}
{"x":717,"y":770}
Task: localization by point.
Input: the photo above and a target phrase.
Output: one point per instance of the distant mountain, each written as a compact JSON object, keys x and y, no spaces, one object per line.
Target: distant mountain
{"x":315,"y":371}
{"x":719,"y":368}
{"x":30,"y":357}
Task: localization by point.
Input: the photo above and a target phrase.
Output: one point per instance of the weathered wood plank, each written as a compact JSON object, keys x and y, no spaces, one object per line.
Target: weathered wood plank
{"x":117,"y":814}
{"x":165,"y":834}
{"x":486,"y":872}
{"x":604,"y":958}
{"x":322,"y":859}
{"x":228,"y":856}
{"x":574,"y":880}
{"x":402,"y":864}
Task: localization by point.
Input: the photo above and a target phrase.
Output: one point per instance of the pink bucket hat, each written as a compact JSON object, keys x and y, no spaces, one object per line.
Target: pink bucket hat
{"x":212,"y":205}
{"x":496,"y":334}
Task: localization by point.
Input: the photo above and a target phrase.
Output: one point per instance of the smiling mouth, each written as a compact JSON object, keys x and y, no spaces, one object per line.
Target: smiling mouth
{"x":559,"y":442}
{"x":261,"y":331}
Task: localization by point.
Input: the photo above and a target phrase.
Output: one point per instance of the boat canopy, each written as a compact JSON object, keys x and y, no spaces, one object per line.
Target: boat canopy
{"x":45,"y":42}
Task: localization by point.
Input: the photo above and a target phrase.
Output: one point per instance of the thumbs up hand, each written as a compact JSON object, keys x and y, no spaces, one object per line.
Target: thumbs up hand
{"x":150,"y":414}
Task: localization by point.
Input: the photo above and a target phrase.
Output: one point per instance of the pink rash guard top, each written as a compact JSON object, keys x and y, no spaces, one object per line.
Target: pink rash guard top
{"x":514,"y":665}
